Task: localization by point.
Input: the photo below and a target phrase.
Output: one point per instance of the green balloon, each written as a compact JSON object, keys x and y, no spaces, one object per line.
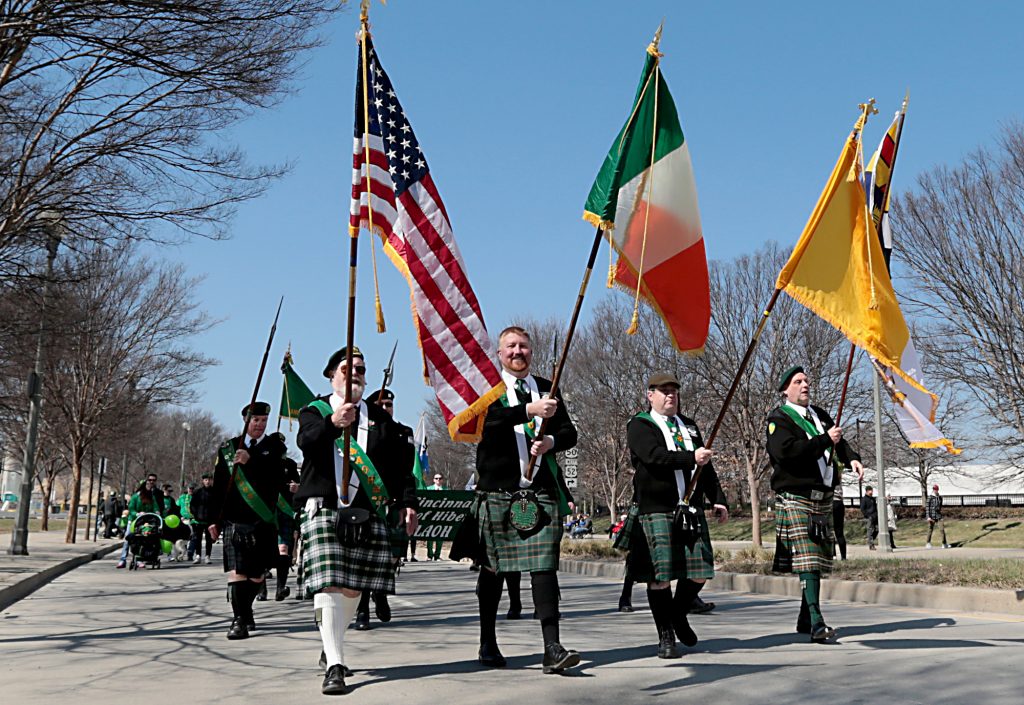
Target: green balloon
{"x":173,"y":521}
{"x":166,"y":546}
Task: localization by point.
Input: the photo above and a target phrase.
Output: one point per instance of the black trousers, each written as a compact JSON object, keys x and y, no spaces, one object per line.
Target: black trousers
{"x":195,"y":544}
{"x":838,"y":523}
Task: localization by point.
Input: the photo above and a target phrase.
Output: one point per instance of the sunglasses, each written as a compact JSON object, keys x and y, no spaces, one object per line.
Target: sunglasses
{"x":359,"y":369}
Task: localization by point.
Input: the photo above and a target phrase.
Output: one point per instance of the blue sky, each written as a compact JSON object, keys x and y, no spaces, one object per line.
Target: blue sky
{"x":515,"y":106}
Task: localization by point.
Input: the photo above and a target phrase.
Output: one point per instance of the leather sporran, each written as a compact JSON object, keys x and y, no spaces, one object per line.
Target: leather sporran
{"x":817,"y":530}
{"x":352,"y":526}
{"x":686,"y":525}
{"x":243,"y":537}
{"x":524,"y":511}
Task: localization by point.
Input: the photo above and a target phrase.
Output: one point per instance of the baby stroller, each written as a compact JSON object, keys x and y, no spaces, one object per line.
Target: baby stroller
{"x":144,"y":541}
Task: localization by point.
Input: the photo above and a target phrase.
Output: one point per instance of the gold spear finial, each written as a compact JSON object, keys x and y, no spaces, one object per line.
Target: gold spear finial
{"x":652,"y":48}
{"x":906,"y":100}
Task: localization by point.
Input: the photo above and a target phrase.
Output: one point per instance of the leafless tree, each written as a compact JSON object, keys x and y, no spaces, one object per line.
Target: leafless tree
{"x":124,"y":323}
{"x":109,"y":112}
{"x":961,"y":236}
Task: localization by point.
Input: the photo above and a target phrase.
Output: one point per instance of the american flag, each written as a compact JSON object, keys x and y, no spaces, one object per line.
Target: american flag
{"x":408,"y":215}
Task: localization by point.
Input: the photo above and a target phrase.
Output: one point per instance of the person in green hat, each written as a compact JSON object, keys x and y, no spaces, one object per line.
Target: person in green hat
{"x":669,"y":540}
{"x":247,"y":481}
{"x":808,"y":455}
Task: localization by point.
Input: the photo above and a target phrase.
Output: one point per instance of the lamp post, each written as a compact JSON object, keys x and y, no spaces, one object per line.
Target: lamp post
{"x":51,"y":223}
{"x":184,"y":439}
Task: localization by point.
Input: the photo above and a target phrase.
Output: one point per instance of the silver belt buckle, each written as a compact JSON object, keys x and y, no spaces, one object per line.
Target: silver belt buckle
{"x":817,"y":495}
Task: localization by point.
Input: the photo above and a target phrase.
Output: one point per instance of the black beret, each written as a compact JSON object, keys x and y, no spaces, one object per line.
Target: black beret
{"x":380,"y":395}
{"x":788,"y":375}
{"x":260,"y":408}
{"x":337,"y":357}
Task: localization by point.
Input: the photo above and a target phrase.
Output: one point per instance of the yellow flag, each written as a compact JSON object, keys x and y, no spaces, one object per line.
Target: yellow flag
{"x":838,"y":271}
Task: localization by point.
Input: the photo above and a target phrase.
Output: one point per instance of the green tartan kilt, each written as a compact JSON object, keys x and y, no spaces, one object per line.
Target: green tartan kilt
{"x":656,"y":555}
{"x":625,"y":535}
{"x":510,"y":550}
{"x":396,"y":533}
{"x":794,"y":550}
{"x":326,"y":563}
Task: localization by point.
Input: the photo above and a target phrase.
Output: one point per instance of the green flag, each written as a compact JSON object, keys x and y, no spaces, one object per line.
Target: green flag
{"x":295,"y":393}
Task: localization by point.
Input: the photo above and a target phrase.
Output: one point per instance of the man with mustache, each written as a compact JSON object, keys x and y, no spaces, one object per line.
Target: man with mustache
{"x":347,"y":548}
{"x":509,"y":437}
{"x":804,"y":444}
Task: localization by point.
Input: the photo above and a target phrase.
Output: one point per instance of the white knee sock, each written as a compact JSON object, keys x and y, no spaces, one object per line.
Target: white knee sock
{"x":335,"y":612}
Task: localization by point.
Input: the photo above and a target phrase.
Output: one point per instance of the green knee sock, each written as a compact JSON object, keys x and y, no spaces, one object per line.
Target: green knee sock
{"x":810,"y":583}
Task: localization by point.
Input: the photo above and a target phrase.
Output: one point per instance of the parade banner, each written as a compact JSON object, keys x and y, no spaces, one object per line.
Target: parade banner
{"x":295,"y":394}
{"x":441,"y":513}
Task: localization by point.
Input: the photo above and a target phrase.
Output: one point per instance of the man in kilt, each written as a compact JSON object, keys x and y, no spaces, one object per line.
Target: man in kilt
{"x":286,"y":516}
{"x":247,"y":481}
{"x":804,"y":445}
{"x":669,"y":537}
{"x":346,"y":545}
{"x":488,"y":535}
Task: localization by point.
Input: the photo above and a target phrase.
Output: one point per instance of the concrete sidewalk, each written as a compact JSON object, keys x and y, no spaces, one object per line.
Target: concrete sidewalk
{"x":49,"y":557}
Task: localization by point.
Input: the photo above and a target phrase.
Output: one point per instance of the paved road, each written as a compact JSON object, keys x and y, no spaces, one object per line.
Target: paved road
{"x":100,"y":635}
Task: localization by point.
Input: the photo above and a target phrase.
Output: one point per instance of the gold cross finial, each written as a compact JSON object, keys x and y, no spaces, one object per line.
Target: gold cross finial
{"x":869,"y":107}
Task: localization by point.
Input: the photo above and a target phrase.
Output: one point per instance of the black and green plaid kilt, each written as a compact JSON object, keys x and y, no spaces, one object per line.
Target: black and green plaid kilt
{"x":286,"y":530}
{"x":326,"y":563}
{"x":656,"y":555}
{"x":625,"y":535}
{"x":794,"y":550}
{"x":510,"y":550}
{"x":251,"y":561}
{"x":396,"y":532}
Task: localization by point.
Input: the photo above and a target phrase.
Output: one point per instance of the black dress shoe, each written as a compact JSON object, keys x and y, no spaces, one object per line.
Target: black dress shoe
{"x":238,"y":629}
{"x":282,"y":593}
{"x":625,"y":607}
{"x":515,"y":613}
{"x":381,"y":607}
{"x":334,"y":681}
{"x":557,"y":658}
{"x":667,"y":644}
{"x":362,"y":621}
{"x":821,"y":633}
{"x":699,"y":606}
{"x":683,"y":630}
{"x":261,"y":596}
{"x":323,"y":665}
{"x":490,"y":656}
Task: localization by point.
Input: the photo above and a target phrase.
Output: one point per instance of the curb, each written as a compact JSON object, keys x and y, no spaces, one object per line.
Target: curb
{"x":936,"y":597}
{"x":23,"y":588}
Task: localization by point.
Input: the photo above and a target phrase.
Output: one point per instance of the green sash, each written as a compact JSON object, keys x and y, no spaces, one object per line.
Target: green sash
{"x":254,"y":501}
{"x":284,"y":507}
{"x":549,"y":460}
{"x":811,"y":431}
{"x":369,"y":478}
{"x":681,"y":441}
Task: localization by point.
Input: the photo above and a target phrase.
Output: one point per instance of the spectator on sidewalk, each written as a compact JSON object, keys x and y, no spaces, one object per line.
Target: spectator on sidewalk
{"x":933,"y":512}
{"x":869,"y":508}
{"x":111,"y":513}
{"x":891,"y":520}
{"x":203,"y":514}
{"x":148,"y":498}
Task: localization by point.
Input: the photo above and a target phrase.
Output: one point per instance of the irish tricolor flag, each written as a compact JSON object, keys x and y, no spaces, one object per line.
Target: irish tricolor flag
{"x":645,"y":200}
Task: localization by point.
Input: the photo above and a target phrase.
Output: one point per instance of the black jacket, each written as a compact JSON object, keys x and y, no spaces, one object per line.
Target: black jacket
{"x":497,"y":454}
{"x":389,"y":445}
{"x":794,"y":456}
{"x":202,"y":506}
{"x":654,"y":484}
{"x":869,"y":508}
{"x":265,"y":471}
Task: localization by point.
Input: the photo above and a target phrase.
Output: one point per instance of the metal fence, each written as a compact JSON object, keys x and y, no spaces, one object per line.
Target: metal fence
{"x":954,"y":500}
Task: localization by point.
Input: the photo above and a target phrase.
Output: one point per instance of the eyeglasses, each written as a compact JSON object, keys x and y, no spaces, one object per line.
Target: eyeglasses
{"x":387,"y":403}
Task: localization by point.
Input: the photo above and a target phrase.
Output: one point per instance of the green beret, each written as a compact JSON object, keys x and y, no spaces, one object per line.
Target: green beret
{"x":337,"y":357}
{"x":260,"y":408}
{"x":380,"y":395}
{"x":788,"y":375}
